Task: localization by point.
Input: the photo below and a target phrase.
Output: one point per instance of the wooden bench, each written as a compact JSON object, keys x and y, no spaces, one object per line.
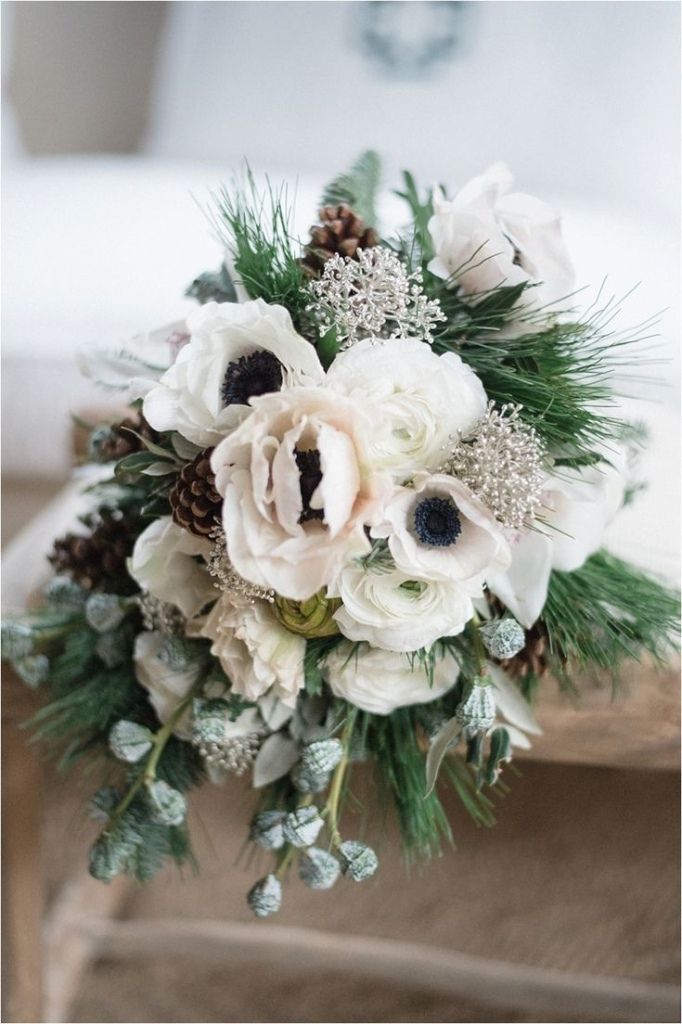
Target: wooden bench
{"x":46,"y":950}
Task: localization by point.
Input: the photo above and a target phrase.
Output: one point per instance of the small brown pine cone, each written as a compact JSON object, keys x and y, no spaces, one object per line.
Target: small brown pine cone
{"x":119,"y":441}
{"x":340,"y":231}
{"x":97,"y":560}
{"x":194,"y":500}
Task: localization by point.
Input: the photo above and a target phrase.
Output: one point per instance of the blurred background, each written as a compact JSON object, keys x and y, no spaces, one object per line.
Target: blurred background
{"x":117,"y":120}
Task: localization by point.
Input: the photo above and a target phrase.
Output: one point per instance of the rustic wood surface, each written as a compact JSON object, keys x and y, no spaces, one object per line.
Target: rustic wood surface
{"x":23,"y":898}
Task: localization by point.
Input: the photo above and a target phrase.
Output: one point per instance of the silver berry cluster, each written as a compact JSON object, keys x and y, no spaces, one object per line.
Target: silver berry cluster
{"x":373,"y":296}
{"x":229,"y":580}
{"x":234,"y":755}
{"x":159,"y":616}
{"x":503,"y":462}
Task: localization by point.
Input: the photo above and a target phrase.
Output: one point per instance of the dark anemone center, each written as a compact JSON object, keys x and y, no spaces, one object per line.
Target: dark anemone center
{"x":437,"y":522}
{"x":249,"y":376}
{"x":308,"y":463}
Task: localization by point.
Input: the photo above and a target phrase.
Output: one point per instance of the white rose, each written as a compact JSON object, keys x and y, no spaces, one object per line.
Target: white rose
{"x":393,"y":610}
{"x":578,"y":505}
{"x":257,"y":654}
{"x":167,"y":686}
{"x":381,"y":681}
{"x":298,"y":490}
{"x":236,"y":351}
{"x":439,"y":530}
{"x":165,"y":562}
{"x":422,"y":400}
{"x":488,"y":236}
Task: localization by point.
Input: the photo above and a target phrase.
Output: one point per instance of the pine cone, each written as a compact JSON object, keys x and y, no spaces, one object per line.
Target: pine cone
{"x":340,"y":231}
{"x":195,"y":502}
{"x":97,"y":560}
{"x":118,"y":442}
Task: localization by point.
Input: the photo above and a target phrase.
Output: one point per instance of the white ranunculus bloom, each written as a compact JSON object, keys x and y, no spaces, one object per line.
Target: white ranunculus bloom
{"x":421,"y":400}
{"x":380,"y":681}
{"x":298,"y":490}
{"x":488,"y":236}
{"x":256,"y":652}
{"x":440,"y":531}
{"x":166,"y":685}
{"x":236,"y":351}
{"x":393,"y":610}
{"x":167,"y":561}
{"x":578,"y":505}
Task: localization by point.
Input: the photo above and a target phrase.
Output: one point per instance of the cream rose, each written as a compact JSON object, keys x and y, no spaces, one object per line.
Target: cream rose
{"x":421,"y":400}
{"x":440,"y":531}
{"x":167,"y":561}
{"x":256,"y":652}
{"x":236,"y":351}
{"x":380,"y":681}
{"x":394,"y":610}
{"x":578,"y":505}
{"x":298,"y":490}
{"x":488,"y":236}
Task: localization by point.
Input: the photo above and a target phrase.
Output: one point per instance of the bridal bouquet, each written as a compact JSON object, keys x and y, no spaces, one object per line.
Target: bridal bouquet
{"x":354,"y":513}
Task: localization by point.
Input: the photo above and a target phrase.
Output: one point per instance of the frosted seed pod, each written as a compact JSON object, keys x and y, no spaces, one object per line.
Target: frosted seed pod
{"x":303,"y":826}
{"x":265,"y":897}
{"x":503,"y":638}
{"x":318,"y":869}
{"x":358,"y":860}
{"x":322,"y":756}
{"x":266,"y":830}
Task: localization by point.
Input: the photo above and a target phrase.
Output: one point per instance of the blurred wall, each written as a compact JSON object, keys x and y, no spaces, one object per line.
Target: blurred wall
{"x":81,"y":73}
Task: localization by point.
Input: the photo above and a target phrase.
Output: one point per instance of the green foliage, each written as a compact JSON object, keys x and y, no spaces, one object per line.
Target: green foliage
{"x":392,"y":740}
{"x":315,"y":651}
{"x":358,"y":187}
{"x":417,"y":250}
{"x":256,"y":228}
{"x":605,"y":612}
{"x":562,"y":376}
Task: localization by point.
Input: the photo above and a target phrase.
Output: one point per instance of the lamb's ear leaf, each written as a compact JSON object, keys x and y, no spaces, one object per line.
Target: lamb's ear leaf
{"x":277,"y":755}
{"x":446,"y":735}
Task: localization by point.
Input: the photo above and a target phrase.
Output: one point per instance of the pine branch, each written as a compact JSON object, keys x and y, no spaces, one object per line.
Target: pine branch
{"x":255,"y":227}
{"x":605,"y":612}
{"x":357,"y":187}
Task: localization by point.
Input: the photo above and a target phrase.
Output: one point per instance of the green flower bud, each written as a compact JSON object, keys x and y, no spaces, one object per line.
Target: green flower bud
{"x":265,"y":897}
{"x":168,"y":805}
{"x":322,"y":755}
{"x":34,"y":669}
{"x":266,"y":830}
{"x":318,"y":869}
{"x":358,"y":860}
{"x":104,"y":612}
{"x":477,"y":713}
{"x":503,"y":638}
{"x":311,"y":618}
{"x":129,"y":741}
{"x":303,"y":826}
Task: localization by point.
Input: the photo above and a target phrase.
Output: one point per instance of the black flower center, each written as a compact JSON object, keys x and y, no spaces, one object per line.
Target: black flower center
{"x":249,"y":376}
{"x":436,"y":522}
{"x":308,"y":463}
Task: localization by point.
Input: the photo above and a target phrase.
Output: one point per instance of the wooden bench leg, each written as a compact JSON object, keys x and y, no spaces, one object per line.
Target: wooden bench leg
{"x":23,"y":896}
